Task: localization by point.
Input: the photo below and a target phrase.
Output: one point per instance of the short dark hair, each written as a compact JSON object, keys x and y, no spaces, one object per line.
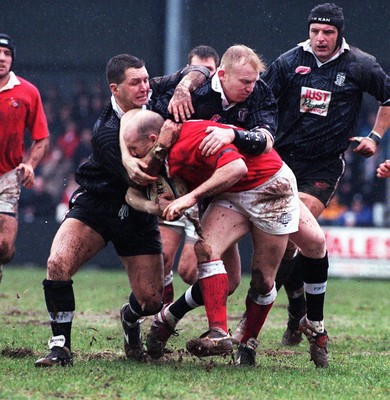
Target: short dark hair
{"x":117,"y":66}
{"x":203,"y":52}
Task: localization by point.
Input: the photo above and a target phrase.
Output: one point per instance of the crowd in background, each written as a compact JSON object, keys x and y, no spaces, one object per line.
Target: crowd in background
{"x":360,"y":201}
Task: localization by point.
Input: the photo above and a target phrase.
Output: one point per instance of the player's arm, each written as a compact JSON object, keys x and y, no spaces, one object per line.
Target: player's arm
{"x":26,"y":169}
{"x":367,"y":146}
{"x":256,"y":141}
{"x":137,"y":199}
{"x":222,"y":179}
{"x":198,"y":74}
{"x":180,"y":103}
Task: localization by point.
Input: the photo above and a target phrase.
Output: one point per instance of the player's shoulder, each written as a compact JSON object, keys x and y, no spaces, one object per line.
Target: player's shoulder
{"x":357,"y":55}
{"x":107,"y":121}
{"x":291,"y":55}
{"x":27,"y":85}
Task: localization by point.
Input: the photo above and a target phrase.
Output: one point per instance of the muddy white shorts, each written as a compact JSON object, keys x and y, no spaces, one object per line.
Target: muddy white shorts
{"x":272,"y":207}
{"x":183,"y":226}
{"x":9,"y":192}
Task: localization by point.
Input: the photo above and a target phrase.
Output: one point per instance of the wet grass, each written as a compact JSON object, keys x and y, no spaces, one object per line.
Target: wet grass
{"x":357,"y":319}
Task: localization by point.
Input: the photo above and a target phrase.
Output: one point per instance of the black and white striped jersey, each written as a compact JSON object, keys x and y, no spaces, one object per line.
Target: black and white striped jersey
{"x":319,"y":106}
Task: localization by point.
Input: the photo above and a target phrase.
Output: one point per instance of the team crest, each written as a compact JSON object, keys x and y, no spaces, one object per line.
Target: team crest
{"x":13,"y":103}
{"x":340,"y":79}
{"x":242,"y":114}
{"x":284,"y":218}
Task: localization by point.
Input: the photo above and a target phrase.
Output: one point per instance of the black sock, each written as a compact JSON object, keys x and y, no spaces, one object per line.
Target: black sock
{"x":286,"y":268}
{"x":135,"y":312}
{"x":181,"y":306}
{"x":60,"y":303}
{"x":315,"y":276}
{"x":295,"y":293}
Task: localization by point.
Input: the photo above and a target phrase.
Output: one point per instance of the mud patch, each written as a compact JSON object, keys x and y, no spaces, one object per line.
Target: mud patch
{"x":20,"y":352}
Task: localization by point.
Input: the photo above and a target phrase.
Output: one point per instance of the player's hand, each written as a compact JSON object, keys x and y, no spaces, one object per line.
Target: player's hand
{"x":383,"y":170}
{"x":215,"y":140}
{"x":134,"y":167}
{"x":365,"y":147}
{"x":25,"y":174}
{"x":169,"y":133}
{"x":180,"y":105}
{"x":176,"y":209}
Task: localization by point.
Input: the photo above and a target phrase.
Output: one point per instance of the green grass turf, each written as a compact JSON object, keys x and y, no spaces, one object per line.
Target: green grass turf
{"x":357,"y":319}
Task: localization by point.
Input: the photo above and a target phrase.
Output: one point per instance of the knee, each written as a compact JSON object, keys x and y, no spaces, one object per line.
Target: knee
{"x":188,"y":273}
{"x":315,"y":247}
{"x":261,"y":283}
{"x":57,"y":270}
{"x":7,"y":252}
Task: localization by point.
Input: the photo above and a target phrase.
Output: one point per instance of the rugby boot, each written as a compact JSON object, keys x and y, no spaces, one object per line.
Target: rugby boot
{"x":59,"y":354}
{"x":214,"y":342}
{"x":318,"y":342}
{"x":292,"y":336}
{"x":160,"y":331}
{"x":246,"y":353}
{"x":133,"y":346}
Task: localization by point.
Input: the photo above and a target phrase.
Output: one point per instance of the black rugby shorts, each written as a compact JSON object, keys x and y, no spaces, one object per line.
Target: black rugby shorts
{"x":131,"y":232}
{"x":318,"y":177}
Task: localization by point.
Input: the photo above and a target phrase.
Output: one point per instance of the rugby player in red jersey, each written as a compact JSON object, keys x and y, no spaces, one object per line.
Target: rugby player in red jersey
{"x":253,"y":194}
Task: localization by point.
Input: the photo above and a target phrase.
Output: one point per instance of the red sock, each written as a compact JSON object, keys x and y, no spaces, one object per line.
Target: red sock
{"x":215,"y":291}
{"x":168,"y":293}
{"x":256,"y":315}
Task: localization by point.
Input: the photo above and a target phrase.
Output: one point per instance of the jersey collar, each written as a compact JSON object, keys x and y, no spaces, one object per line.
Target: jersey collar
{"x":306,"y":47}
{"x":217,"y":87}
{"x":12,"y":82}
{"x":119,"y":112}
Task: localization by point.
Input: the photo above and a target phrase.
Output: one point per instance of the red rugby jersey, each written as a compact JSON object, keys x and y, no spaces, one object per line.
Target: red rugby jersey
{"x":186,"y":161}
{"x":20,"y":108}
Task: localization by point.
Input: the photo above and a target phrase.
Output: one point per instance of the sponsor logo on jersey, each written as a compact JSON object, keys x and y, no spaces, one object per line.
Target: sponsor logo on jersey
{"x":302,"y":70}
{"x":315,"y":101}
{"x":340,"y":79}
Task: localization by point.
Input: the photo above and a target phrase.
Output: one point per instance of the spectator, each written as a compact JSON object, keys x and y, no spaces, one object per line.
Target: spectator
{"x":69,"y":140}
{"x":358,"y":214}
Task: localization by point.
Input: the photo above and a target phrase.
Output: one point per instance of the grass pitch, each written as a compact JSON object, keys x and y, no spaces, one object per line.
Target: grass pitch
{"x":357,"y":319}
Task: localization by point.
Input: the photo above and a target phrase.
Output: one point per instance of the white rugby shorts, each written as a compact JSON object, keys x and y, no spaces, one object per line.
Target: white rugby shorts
{"x":9,"y":192}
{"x":272,"y":207}
{"x":184,"y":224}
